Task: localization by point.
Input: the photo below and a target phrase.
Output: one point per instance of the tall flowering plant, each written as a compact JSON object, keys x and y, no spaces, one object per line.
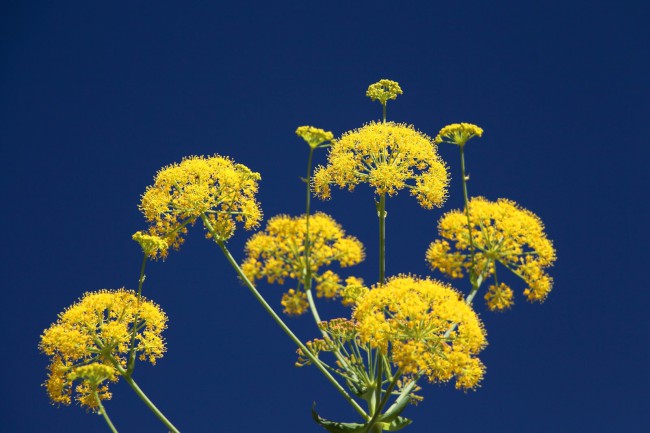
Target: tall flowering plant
{"x":402,"y":329}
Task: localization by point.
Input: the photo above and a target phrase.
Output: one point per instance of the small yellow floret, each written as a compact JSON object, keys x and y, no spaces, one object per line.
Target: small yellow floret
{"x":314,"y":136}
{"x":353,"y":291}
{"x":499,"y":297}
{"x":458,"y":133}
{"x":425,"y":327}
{"x":388,"y":157}
{"x":153,"y":246}
{"x":94,"y":373}
{"x":294,"y":303}
{"x":383,"y":90}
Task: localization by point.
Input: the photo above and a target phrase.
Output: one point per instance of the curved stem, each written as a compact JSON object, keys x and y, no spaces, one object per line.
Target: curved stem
{"x":141,"y":279}
{"x":473,"y":275}
{"x":131,"y":358}
{"x":127,"y":376}
{"x":382,"y":238}
{"x":102,"y":411}
{"x":282,"y":325}
{"x":307,"y":283}
{"x":150,"y":404}
{"x":308,"y":272}
{"x":312,"y":307}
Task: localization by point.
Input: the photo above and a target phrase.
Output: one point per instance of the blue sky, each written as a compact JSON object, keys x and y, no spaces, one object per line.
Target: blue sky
{"x":95,"y":98}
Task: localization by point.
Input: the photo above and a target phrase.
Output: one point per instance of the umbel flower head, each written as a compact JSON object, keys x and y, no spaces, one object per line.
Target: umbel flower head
{"x":215,"y":188}
{"x":383,"y":90}
{"x":388,"y":157}
{"x":425,"y":327}
{"x":314,"y":136}
{"x":153,"y":246}
{"x":458,"y":133}
{"x":502,"y":232}
{"x":278,"y":253}
{"x":94,"y":335}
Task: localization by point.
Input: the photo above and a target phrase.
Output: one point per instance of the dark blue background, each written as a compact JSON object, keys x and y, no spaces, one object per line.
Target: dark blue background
{"x":96,"y":97}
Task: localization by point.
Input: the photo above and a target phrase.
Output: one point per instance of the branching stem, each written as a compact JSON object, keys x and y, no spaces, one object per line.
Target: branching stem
{"x":280,"y":322}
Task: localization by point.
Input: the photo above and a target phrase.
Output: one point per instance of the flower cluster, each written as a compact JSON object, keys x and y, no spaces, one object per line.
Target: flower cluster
{"x":214,"y":188}
{"x":458,"y":133}
{"x":93,"y":337}
{"x":153,"y":246}
{"x":501,"y":232}
{"x":387,"y":156}
{"x":314,"y":136}
{"x":279,"y":252}
{"x":499,"y":297}
{"x":338,"y":332}
{"x":425,"y":327}
{"x":383,"y":90}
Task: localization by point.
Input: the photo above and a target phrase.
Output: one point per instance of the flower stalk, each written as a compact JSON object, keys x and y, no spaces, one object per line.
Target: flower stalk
{"x":102,"y":411}
{"x":283,"y":325}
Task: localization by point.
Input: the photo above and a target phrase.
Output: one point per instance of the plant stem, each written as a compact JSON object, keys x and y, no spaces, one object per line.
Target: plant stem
{"x":312,"y":308}
{"x":308,"y":272}
{"x":383,"y":106}
{"x":469,"y":223}
{"x":150,"y":404}
{"x":282,"y":325}
{"x":141,"y":279}
{"x":102,"y":411}
{"x":131,"y":358}
{"x":382,"y":239}
{"x":127,"y":376}
{"x":377,"y":412}
{"x":307,"y":283}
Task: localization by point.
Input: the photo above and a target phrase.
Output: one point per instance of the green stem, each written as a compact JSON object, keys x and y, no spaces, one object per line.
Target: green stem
{"x":282,"y":325}
{"x":127,"y":376}
{"x":308,"y":180}
{"x":150,"y":404}
{"x":141,"y":279}
{"x":102,"y":411}
{"x":377,"y":412}
{"x":382,"y":239}
{"x":383,"y":107}
{"x":131,"y":358}
{"x":312,"y":307}
{"x":308,"y":272}
{"x":473,"y":275}
{"x":308,"y":279}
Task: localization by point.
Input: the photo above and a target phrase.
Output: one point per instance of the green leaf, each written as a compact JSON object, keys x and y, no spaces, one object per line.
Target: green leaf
{"x":396,"y":408}
{"x":398,"y":423}
{"x":336,"y":427}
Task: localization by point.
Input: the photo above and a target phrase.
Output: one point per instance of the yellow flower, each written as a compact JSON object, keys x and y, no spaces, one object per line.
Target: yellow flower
{"x":502,"y":232}
{"x":387,"y":156}
{"x":294,"y":303}
{"x":91,"y":377}
{"x":499,"y":297}
{"x":425,"y":327}
{"x":278,"y":253}
{"x":152,"y":246}
{"x":314,"y":136}
{"x":353,"y":291}
{"x":458,"y":133}
{"x":95,"y":332}
{"x":213,"y":187}
{"x":383,"y":90}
